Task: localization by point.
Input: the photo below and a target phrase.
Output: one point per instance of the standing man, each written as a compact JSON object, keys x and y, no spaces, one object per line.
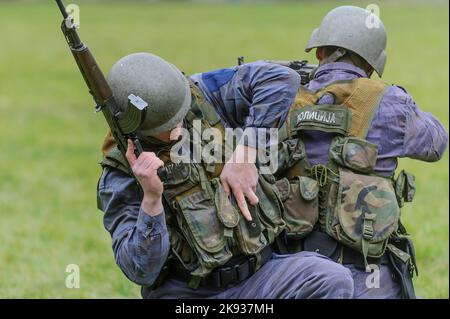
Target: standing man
{"x":348,"y":132}
{"x":184,"y":238}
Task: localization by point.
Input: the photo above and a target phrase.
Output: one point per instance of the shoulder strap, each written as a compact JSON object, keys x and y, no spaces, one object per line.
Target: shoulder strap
{"x":203,"y":110}
{"x":363,"y":97}
{"x":207,"y":110}
{"x":115,"y":159}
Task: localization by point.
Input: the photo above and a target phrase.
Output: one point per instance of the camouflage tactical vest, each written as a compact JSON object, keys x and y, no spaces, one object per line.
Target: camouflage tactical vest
{"x":206,"y":227}
{"x":351,"y":203}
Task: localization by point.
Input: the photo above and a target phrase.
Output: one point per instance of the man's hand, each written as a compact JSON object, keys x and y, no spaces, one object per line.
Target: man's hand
{"x":240,"y":175}
{"x":144,"y":168}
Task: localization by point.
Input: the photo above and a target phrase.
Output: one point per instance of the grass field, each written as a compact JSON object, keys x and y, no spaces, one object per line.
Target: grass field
{"x":50,"y":137}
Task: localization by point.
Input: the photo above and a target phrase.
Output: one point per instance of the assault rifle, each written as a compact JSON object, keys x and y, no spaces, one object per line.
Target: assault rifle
{"x":302,"y":67}
{"x":124,"y":124}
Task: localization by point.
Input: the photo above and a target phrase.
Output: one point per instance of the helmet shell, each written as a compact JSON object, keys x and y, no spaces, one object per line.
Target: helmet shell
{"x":355,"y":29}
{"x":156,"y":81}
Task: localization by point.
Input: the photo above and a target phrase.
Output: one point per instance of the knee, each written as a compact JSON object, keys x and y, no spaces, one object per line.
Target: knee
{"x":334,"y":281}
{"x":326,"y":279}
{"x":308,"y":275}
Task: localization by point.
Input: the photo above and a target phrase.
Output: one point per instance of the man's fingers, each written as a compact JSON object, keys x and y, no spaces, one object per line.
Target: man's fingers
{"x":240,"y":198}
{"x":130,"y":153}
{"x":226,"y":187}
{"x":253,"y":199}
{"x":143,"y":164}
{"x":157,"y":163}
{"x":146,"y":162}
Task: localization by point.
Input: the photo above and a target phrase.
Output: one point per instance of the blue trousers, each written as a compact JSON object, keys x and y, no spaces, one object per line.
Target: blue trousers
{"x":297,"y":276}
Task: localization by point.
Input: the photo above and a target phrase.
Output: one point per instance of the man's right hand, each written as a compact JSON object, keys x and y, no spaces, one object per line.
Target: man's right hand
{"x":144,"y":169}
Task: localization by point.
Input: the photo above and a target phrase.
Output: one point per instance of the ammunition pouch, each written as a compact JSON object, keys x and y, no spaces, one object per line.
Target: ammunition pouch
{"x":353,"y":153}
{"x":301,"y":205}
{"x":197,"y":217}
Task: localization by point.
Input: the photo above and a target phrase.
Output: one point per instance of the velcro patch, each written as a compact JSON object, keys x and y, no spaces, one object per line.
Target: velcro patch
{"x":323,"y":117}
{"x":331,"y":118}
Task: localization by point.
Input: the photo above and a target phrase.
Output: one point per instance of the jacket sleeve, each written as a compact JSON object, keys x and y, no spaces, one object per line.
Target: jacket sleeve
{"x":140,"y":242}
{"x":425,"y":137}
{"x":250,"y":96}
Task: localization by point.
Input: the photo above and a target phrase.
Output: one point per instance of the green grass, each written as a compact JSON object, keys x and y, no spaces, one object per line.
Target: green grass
{"x":50,"y":138}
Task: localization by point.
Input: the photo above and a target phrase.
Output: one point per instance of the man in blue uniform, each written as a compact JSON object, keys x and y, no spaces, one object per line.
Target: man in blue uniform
{"x":350,"y":45}
{"x":148,"y":236}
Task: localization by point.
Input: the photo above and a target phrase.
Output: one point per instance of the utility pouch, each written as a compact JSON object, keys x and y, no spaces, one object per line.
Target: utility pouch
{"x":402,"y":262}
{"x":202,"y":228}
{"x":405,"y":187}
{"x":356,"y":154}
{"x":365,"y":214}
{"x":271,"y":207}
{"x":301,"y":205}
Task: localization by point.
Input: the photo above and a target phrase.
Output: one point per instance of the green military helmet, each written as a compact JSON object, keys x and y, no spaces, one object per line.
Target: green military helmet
{"x":159,"y":83}
{"x":354,"y":29}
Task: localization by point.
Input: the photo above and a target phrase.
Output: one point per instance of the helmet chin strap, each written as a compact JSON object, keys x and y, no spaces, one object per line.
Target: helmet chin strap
{"x":336,"y":55}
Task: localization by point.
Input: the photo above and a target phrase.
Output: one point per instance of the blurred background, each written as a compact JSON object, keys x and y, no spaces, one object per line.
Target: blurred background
{"x":50,"y":137}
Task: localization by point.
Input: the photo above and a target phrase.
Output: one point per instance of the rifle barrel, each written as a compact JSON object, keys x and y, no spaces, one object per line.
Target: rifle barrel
{"x":62,"y":8}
